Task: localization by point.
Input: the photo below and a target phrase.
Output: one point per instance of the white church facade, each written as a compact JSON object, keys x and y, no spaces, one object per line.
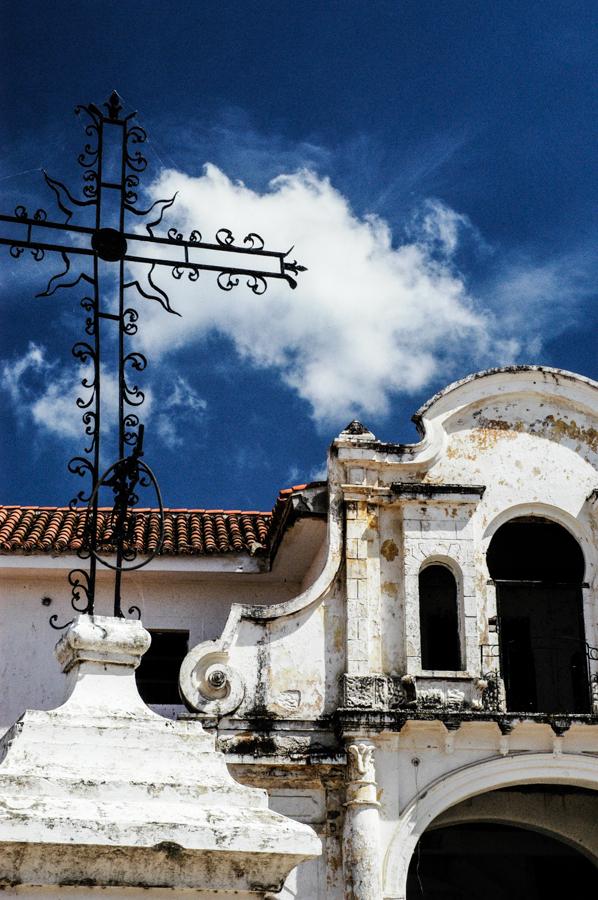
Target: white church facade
{"x":398,"y":667}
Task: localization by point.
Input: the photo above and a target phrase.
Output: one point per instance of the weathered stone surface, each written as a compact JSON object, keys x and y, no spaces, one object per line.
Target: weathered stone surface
{"x":103,"y":791}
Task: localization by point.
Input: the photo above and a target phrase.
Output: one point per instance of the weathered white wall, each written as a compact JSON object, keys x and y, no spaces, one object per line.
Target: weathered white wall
{"x":199,"y":603}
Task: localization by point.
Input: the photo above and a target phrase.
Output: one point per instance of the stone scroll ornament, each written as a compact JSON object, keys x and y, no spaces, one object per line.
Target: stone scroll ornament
{"x":208,"y":684}
{"x":122,"y":234}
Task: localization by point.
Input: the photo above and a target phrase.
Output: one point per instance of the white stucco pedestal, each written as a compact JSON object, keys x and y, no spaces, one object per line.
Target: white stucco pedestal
{"x":102,"y":793}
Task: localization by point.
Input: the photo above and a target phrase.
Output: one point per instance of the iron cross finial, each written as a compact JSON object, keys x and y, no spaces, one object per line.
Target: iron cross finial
{"x":112,"y":199}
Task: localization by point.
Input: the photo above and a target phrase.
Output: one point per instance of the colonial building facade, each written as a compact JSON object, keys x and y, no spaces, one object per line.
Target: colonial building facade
{"x":403,"y":657}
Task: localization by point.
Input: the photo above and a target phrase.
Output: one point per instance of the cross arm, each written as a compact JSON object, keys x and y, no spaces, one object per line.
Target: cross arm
{"x":251,"y":258}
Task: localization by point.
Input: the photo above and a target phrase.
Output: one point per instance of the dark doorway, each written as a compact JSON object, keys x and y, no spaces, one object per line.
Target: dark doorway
{"x":538,"y":568}
{"x":497,"y":862}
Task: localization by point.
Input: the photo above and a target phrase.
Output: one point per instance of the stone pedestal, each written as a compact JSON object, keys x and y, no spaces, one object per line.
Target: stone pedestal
{"x":102,"y":792}
{"x":361,"y":836}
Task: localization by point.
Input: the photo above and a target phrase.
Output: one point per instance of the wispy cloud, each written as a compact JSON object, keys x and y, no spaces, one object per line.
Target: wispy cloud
{"x":43,"y":391}
{"x":180,"y":404}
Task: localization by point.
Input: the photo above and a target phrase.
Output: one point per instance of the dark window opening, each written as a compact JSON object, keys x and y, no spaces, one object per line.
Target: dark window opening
{"x":534,"y":549}
{"x":496,"y":862}
{"x":438,"y":619}
{"x":158,"y":675}
{"x":538,"y":569}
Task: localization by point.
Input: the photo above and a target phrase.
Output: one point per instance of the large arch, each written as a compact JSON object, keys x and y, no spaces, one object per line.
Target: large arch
{"x":468,"y":781}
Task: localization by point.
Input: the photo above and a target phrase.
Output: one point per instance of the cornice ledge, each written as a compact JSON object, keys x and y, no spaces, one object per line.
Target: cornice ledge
{"x":455,"y":493}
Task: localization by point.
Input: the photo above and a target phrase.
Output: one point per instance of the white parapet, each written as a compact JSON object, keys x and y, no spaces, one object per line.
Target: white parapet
{"x":103,"y":792}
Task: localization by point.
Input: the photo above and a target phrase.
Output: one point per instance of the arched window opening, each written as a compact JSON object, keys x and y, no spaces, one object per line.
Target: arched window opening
{"x":458,"y":862}
{"x":538,"y":567}
{"x":438,"y":619}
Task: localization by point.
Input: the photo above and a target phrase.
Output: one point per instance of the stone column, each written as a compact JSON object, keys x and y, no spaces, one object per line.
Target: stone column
{"x":361,"y":838}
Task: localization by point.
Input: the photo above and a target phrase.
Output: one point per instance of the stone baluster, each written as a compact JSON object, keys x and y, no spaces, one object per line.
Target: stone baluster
{"x":361,"y":839}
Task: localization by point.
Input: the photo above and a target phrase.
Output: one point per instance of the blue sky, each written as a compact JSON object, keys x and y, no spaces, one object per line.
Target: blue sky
{"x":433,"y":162}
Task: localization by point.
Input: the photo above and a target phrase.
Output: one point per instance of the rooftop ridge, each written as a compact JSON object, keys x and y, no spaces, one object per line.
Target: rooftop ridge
{"x":187,"y":530}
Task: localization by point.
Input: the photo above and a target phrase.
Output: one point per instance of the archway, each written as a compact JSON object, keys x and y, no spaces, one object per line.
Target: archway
{"x":537,"y":567}
{"x":434,"y":798}
{"x":489,"y":861}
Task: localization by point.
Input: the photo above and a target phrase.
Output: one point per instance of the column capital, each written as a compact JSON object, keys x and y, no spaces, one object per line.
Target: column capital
{"x":361,"y":773}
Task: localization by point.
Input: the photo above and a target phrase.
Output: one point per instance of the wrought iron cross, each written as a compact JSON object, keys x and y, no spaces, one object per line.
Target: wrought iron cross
{"x":112,"y":160}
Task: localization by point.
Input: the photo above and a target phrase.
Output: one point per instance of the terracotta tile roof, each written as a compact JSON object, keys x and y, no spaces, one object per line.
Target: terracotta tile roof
{"x":51,"y":529}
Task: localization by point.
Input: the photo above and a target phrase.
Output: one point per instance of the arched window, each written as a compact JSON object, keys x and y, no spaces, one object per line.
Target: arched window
{"x":438,"y":619}
{"x":538,"y":566}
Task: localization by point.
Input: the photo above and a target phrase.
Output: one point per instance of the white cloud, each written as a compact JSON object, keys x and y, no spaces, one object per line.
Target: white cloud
{"x":368,"y":318}
{"x":39,"y":388}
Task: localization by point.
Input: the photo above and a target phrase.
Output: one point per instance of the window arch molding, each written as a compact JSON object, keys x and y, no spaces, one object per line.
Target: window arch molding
{"x":430,"y":655}
{"x":439,"y":559}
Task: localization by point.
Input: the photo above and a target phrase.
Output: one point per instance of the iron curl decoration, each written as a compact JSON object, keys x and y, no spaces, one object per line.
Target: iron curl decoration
{"x":226,"y":282}
{"x":131,"y":181}
{"x":130,"y":422}
{"x":225,"y":237}
{"x":90,"y":421}
{"x":90,"y":189}
{"x":130,"y":318}
{"x":255,"y":241}
{"x":53,"y":620}
{"x":79,"y":581}
{"x":89,"y":306}
{"x":80,"y":466}
{"x":85,"y":353}
{"x":257,"y":284}
{"x":80,"y":591}
{"x":90,"y":154}
{"x":133,"y":396}
{"x":135,"y":159}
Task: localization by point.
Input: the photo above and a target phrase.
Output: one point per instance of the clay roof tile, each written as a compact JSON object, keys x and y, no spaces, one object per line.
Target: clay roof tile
{"x":50,"y":529}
